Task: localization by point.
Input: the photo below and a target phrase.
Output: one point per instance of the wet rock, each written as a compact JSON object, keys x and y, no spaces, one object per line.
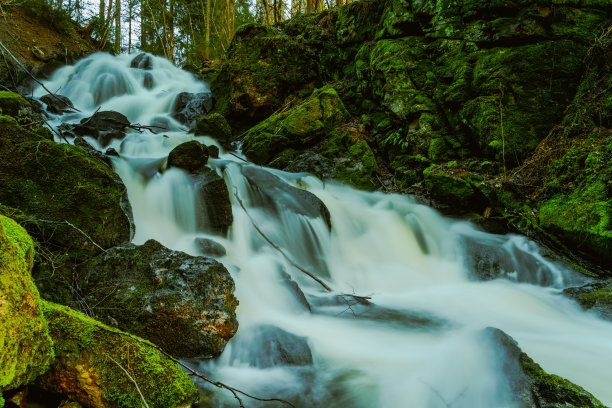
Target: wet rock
{"x":189,"y":106}
{"x":215,"y":204}
{"x":294,"y":288}
{"x":57,"y":104}
{"x":190,"y":156}
{"x":111,"y":152}
{"x":209,"y":247}
{"x":142,"y":61}
{"x":213,"y":151}
{"x":530,"y":385}
{"x":83,"y":144}
{"x":26,"y":350}
{"x":272,"y":193}
{"x":268,"y":346}
{"x":70,"y":202}
{"x":160,"y":124}
{"x":104,"y":126}
{"x":19,"y":399}
{"x":214,"y":126}
{"x":184,"y":304}
{"x":148,"y":80}
{"x":596,"y":297}
{"x":88,"y":370}
{"x":12,"y":103}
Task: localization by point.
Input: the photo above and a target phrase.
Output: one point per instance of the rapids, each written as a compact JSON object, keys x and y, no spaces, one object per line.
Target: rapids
{"x":418,"y":344}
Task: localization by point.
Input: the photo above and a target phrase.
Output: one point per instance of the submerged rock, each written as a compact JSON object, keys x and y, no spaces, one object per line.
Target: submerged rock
{"x":269,"y":346}
{"x":184,"y":304}
{"x":26,"y":350}
{"x":274,"y":194}
{"x":209,"y":247}
{"x":57,"y":104}
{"x":104,"y":126}
{"x":142,"y":61}
{"x":530,"y":385}
{"x":190,"y":156}
{"x":91,"y":360}
{"x":189,"y":106}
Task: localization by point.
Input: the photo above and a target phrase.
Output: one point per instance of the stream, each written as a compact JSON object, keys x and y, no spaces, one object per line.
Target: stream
{"x":419,"y":340}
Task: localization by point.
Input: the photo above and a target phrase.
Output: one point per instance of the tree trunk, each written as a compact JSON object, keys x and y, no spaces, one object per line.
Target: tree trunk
{"x":118,"y":26}
{"x":143,"y":30}
{"x":130,"y":7}
{"x":171,"y":32}
{"x":101,"y":16}
{"x":206,"y":15}
{"x":229,"y":17}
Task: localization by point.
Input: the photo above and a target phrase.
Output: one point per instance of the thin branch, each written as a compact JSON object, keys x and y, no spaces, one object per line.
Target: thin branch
{"x":238,"y":157}
{"x":131,"y":378}
{"x":219,"y":384}
{"x":70,"y":225}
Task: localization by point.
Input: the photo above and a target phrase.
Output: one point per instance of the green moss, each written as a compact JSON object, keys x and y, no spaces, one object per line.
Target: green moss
{"x":86,"y":349}
{"x":8,"y":121}
{"x":298,"y":128}
{"x":11,"y":103}
{"x":25,"y":345}
{"x":361,"y":167}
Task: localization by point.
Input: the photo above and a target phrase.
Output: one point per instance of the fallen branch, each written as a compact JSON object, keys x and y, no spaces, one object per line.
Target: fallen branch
{"x":279,"y":249}
{"x":20,"y":65}
{"x":238,"y":157}
{"x":141,"y":128}
{"x":219,"y":384}
{"x":70,"y":225}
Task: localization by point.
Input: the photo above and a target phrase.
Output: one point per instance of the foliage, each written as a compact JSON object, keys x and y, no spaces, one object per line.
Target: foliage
{"x":56,"y":16}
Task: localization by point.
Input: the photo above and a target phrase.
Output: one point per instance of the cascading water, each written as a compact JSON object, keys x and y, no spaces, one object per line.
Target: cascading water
{"x":418,"y":343}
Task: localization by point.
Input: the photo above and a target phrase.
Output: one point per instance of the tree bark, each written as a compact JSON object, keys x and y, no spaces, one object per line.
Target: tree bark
{"x":101,"y":16}
{"x":229,"y":16}
{"x":171,"y":32}
{"x":118,"y":26}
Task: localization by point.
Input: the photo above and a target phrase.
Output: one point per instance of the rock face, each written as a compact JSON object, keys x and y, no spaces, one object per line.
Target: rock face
{"x":182,"y":303}
{"x":189,"y":106}
{"x":71,"y":203}
{"x":189,"y":156}
{"x":530,"y":386}
{"x":26,"y":348}
{"x":89,"y":360}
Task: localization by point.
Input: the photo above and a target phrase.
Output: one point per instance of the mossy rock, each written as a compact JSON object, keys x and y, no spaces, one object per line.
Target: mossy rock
{"x":71,"y":203}
{"x":190,"y":156}
{"x":455,"y":186}
{"x":8,"y":122}
{"x":184,"y":304}
{"x":300,"y":127}
{"x":214,"y":126}
{"x":91,"y":360}
{"x":530,"y":385}
{"x":25,"y":346}
{"x":11,"y":103}
{"x":596,"y":297}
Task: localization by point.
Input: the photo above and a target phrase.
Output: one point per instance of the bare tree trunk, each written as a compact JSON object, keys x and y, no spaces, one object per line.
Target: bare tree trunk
{"x":130,"y":7}
{"x":266,"y":8}
{"x":206,"y":15}
{"x":101,"y":14}
{"x":310,"y":5}
{"x":164,"y":29}
{"x":143,"y":31}
{"x":118,"y":26}
{"x":171,"y":30}
{"x":229,"y":18}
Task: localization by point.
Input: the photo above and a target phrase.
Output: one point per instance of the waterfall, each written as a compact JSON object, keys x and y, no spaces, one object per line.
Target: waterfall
{"x":434,"y":284}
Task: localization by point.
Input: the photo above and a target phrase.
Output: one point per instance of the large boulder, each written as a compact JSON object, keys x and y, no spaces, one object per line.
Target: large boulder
{"x":530,"y":385}
{"x":190,"y":156}
{"x":142,"y":61}
{"x":72,"y":204}
{"x":102,"y":125}
{"x":25,"y":346}
{"x":189,"y":106}
{"x":11,"y":103}
{"x":184,"y":304}
{"x":93,"y":362}
{"x":57,"y":104}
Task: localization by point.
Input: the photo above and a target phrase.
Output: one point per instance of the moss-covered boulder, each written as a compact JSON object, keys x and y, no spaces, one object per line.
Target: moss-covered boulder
{"x":214,"y":126}
{"x":530,"y":385}
{"x":11,"y":103}
{"x":184,"y":304}
{"x":264,"y":66}
{"x":596,"y":297}
{"x":25,"y":346}
{"x":190,"y":156}
{"x":71,"y":203}
{"x":99,"y":368}
{"x":301,"y":127}
{"x":456,"y":186}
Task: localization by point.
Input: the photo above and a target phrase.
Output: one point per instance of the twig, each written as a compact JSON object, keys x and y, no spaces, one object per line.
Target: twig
{"x":279,"y":249}
{"x":238,"y":157}
{"x":219,"y":384}
{"x":89,"y":118}
{"x":20,"y":65}
{"x":140,"y":128}
{"x":70,"y":225}
{"x":131,"y":378}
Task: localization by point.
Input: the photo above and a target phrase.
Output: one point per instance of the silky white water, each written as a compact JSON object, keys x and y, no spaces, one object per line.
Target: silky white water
{"x":419,"y":343}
